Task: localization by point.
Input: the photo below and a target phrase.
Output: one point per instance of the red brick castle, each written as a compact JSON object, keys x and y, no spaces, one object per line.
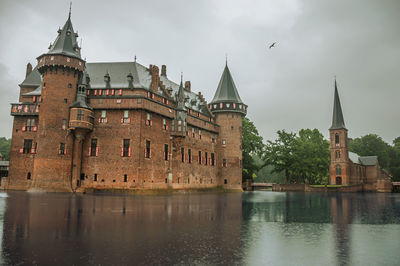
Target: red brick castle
{"x":80,"y":126}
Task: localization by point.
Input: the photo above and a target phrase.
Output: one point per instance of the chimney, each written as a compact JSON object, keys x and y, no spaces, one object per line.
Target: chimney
{"x":28,"y":69}
{"x":164,"y":70}
{"x":154,"y":78}
{"x":187,"y":85}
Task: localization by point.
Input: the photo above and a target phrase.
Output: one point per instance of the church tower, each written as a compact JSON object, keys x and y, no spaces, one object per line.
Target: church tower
{"x":229,"y":111}
{"x":61,"y":69}
{"x":339,"y":167}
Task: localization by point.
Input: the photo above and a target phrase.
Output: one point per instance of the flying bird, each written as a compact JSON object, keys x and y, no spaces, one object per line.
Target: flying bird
{"x":272,"y":45}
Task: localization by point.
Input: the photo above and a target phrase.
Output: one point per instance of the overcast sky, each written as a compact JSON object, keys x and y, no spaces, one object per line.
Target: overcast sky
{"x":287,"y":87}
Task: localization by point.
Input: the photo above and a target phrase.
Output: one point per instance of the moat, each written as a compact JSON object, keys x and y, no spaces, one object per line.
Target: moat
{"x":254,"y":228}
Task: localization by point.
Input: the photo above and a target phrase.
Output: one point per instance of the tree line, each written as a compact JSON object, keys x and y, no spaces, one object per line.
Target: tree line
{"x":304,"y":157}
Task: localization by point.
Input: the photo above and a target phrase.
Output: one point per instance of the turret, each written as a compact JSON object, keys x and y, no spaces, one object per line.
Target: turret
{"x":61,"y":68}
{"x":339,"y":167}
{"x":179,"y":126}
{"x":229,"y":111}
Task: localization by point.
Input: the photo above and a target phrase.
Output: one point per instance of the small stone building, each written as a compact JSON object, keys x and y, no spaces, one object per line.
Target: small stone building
{"x":348,"y":168}
{"x":120,"y":125}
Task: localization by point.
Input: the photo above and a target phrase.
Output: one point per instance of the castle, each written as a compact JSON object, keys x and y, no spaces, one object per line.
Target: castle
{"x":348,"y":168}
{"x":81,"y":126}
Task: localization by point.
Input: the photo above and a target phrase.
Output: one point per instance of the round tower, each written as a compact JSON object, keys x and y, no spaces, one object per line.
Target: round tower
{"x":229,"y":111}
{"x":60,"y":67}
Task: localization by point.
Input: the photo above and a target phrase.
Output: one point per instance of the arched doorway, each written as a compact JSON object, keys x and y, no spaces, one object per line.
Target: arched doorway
{"x":338,"y":180}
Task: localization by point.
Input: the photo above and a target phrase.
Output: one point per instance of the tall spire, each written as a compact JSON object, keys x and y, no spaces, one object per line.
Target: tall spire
{"x":337,"y":119}
{"x":66,"y":41}
{"x":181,"y":96}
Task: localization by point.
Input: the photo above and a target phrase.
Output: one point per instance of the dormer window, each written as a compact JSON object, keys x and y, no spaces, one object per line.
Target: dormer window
{"x":130,"y":78}
{"x":107,"y":78}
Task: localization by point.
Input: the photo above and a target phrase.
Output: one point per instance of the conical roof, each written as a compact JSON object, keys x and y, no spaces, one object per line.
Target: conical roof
{"x":226,"y":91}
{"x":337,"y":119}
{"x":66,"y":42}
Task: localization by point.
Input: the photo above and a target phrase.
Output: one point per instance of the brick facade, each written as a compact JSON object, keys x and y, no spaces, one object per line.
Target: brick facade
{"x":120,"y":136}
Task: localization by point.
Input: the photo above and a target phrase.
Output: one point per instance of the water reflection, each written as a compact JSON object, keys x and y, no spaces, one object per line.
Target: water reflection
{"x":256,"y":228}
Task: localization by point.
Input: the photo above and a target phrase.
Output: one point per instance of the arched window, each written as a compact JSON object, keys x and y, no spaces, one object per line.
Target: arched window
{"x":337,"y":139}
{"x":338,"y":170}
{"x":28,"y":176}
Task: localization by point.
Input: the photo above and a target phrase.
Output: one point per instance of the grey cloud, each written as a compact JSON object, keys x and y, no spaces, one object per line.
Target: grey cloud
{"x":288,"y":87}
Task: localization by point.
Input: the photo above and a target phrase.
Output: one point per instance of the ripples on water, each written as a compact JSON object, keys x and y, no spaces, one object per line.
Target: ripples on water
{"x":255,"y":228}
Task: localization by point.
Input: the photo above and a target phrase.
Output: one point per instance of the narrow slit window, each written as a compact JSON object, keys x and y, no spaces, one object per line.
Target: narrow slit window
{"x":166,"y":152}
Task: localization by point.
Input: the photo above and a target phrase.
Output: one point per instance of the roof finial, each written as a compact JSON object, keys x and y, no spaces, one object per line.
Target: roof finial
{"x":135,"y":58}
{"x":181,"y":77}
{"x":226,"y":59}
{"x":70,"y":6}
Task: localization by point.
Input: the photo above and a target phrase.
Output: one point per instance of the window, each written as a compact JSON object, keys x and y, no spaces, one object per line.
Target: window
{"x":103,"y":118}
{"x":213,"y":138}
{"x":223,"y":142}
{"x":62,"y":149}
{"x":337,"y":155}
{"x":182,"y":155}
{"x":337,"y":139}
{"x":193,"y":134}
{"x":190,"y":155}
{"x":165,"y":127}
{"x":126,"y":149}
{"x":82,"y":176}
{"x":224,"y":164}
{"x":206,"y":158}
{"x":338,"y":170}
{"x":93,"y":149}
{"x":212,"y":159}
{"x":65,"y":100}
{"x":80,"y":115}
{"x":30,"y":125}
{"x":147,"y":151}
{"x":199,"y":157}
{"x":126,"y":119}
{"x":225,"y":181}
{"x":64,"y":124}
{"x":199,"y":133}
{"x":95,"y":177}
{"x":28,"y":176}
{"x":166,"y":152}
{"x":27,"y":145}
{"x":125,"y":178}
{"x":148,"y":119}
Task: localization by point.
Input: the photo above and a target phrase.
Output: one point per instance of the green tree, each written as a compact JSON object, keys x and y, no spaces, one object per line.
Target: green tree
{"x":5,"y":145}
{"x":303,"y":158}
{"x":394,"y":161}
{"x":311,"y":152}
{"x":280,"y":153}
{"x":252,"y":144}
{"x":369,"y":145}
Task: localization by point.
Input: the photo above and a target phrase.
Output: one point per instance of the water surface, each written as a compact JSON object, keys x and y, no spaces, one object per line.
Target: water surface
{"x":253,"y":228}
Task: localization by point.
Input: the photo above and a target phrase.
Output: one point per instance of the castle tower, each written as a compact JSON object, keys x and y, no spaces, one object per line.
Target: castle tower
{"x":339,"y":167}
{"x":61,"y":68}
{"x":229,"y":111}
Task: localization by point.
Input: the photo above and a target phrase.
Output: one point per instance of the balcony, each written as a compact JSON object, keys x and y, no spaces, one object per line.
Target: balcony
{"x":24,"y":109}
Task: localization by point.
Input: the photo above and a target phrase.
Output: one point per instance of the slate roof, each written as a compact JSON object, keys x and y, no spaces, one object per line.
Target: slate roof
{"x":33,"y":79}
{"x":337,"y":119}
{"x":226,"y":90}
{"x":118,"y":72}
{"x":66,"y":42}
{"x":363,"y":160}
